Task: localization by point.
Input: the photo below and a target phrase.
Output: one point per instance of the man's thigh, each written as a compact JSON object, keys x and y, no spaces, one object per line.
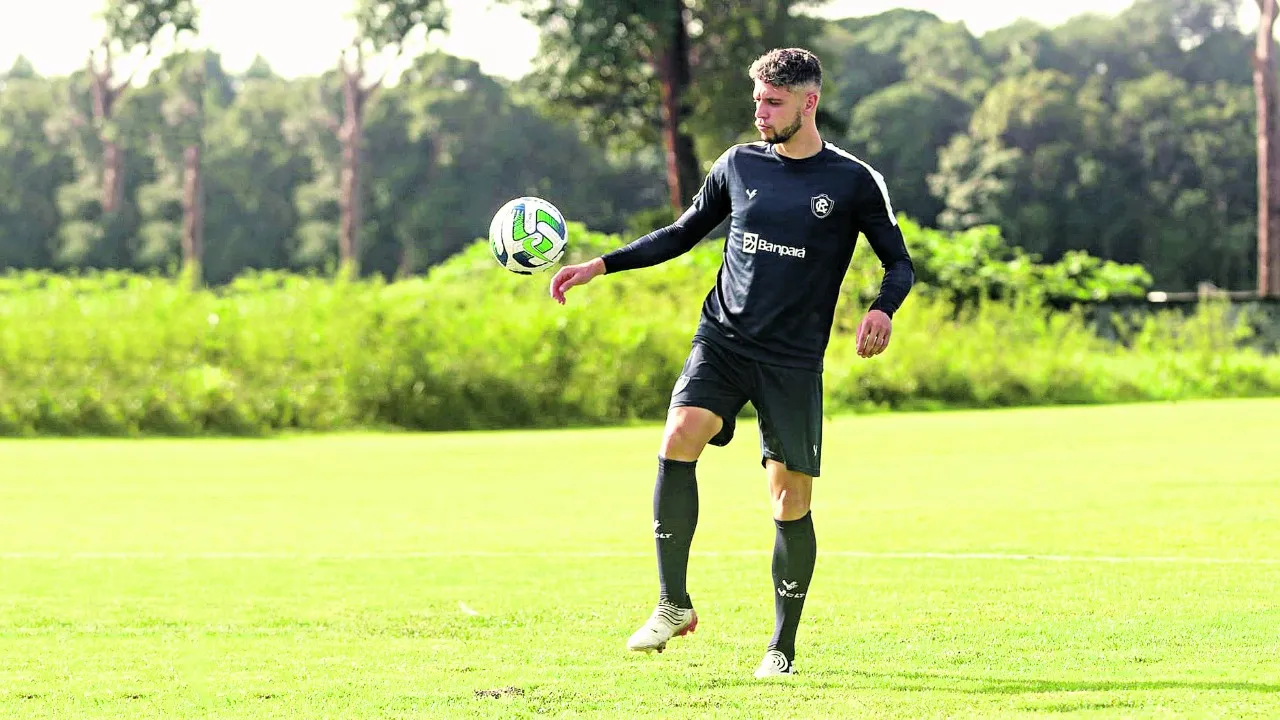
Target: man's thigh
{"x":716,"y":380}
{"x":789,"y":403}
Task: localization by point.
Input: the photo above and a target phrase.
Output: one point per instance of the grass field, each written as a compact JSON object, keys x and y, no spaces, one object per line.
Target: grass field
{"x":1097,"y":562}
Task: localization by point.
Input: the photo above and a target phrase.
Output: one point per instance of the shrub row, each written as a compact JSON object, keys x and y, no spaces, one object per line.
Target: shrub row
{"x":471,"y":346}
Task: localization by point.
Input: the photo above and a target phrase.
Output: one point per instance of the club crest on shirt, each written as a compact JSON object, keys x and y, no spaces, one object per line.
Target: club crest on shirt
{"x":821,"y":205}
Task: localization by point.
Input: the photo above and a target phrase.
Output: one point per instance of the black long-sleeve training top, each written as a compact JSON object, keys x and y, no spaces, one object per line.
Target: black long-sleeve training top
{"x":794,"y":224}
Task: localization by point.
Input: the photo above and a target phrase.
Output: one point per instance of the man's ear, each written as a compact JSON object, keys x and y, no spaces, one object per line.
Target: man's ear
{"x":811,"y":103}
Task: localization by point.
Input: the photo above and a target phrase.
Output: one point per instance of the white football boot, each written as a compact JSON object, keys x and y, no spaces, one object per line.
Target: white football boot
{"x":666,"y":622}
{"x":773,"y":665}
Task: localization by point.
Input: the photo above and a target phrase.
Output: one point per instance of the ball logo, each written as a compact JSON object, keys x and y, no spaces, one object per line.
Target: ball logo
{"x":821,"y":205}
{"x":535,"y":240}
{"x":527,"y":235}
{"x":749,"y":242}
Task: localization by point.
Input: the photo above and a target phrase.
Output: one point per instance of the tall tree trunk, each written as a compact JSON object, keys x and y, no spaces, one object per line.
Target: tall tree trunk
{"x":1264,"y":87}
{"x":105,"y":94}
{"x":407,"y":254}
{"x":349,"y":200}
{"x":192,"y":212}
{"x":112,"y":176}
{"x":672,"y":62}
{"x":193,"y":182}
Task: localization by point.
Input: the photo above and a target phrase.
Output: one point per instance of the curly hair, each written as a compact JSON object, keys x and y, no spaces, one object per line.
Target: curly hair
{"x":787,"y":68}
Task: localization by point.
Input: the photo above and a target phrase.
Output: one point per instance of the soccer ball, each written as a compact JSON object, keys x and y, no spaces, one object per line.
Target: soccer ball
{"x":528,"y":235}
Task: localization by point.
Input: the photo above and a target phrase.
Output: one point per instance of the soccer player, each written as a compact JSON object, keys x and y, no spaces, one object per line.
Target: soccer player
{"x":797,"y":204}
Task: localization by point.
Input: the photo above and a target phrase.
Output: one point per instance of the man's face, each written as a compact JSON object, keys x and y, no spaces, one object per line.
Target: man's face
{"x":779,"y":112}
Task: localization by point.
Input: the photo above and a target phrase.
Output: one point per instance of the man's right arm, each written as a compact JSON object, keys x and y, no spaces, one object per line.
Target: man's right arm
{"x":709,"y":208}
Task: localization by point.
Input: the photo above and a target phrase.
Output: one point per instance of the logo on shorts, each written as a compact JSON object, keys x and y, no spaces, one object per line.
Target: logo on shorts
{"x":821,"y":205}
{"x":753,"y":243}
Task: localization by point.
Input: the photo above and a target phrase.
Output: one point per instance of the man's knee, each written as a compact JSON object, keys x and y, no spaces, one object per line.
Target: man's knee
{"x":688,"y":431}
{"x":791,"y":492}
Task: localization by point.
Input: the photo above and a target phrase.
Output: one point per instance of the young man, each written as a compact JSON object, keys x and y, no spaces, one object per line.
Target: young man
{"x":797,"y":204}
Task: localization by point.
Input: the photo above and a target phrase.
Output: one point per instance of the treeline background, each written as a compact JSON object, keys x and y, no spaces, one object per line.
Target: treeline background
{"x":1129,"y":137}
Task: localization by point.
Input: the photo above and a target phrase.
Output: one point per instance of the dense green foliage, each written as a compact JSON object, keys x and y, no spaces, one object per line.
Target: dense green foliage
{"x":472,"y":346}
{"x":1129,"y":137}
{"x":444,"y":148}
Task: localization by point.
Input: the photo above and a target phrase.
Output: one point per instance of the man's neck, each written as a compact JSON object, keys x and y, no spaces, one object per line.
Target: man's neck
{"x":803,"y":144}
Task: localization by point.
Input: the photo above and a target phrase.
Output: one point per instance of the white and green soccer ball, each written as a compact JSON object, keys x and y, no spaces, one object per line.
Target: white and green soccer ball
{"x":528,"y":235}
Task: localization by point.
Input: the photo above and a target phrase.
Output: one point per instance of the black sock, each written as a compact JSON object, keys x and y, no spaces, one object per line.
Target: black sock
{"x":795,"y":551}
{"x":675,"y":515}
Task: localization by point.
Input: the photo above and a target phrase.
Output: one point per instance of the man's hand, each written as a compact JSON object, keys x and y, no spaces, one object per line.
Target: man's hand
{"x":873,"y":333}
{"x":571,"y":275}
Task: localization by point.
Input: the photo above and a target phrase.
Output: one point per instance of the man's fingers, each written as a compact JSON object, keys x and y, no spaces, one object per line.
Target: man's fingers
{"x":559,"y":283}
{"x":882,"y":340}
{"x":563,"y":280}
{"x":864,"y":331}
{"x":873,"y":336}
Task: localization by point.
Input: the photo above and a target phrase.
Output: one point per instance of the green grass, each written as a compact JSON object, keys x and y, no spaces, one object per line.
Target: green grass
{"x":1118,"y":561}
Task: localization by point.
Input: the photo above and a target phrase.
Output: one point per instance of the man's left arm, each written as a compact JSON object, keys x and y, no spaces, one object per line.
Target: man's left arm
{"x":877,"y":222}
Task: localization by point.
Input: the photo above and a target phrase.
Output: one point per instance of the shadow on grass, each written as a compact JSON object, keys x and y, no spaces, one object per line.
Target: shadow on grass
{"x":1019,"y":686}
{"x":939,"y":682}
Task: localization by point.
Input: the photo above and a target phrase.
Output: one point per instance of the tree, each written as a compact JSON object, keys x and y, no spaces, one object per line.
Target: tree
{"x":900,"y":128}
{"x":1168,"y":34}
{"x":255,"y":160}
{"x":444,"y":145}
{"x":947,"y":56}
{"x":31,"y":167}
{"x":382,"y":26}
{"x":97,"y":222}
{"x":1265,"y":92}
{"x":172,"y":207}
{"x":448,"y":127}
{"x":130,"y":25}
{"x":1188,"y":149}
{"x":862,"y":55}
{"x":671,"y":73}
{"x":1017,"y":166}
{"x":725,"y":37}
{"x":622,"y":65}
{"x":191,"y":118}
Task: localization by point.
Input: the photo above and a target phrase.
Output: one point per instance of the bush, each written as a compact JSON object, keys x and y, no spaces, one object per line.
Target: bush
{"x":470,"y":346}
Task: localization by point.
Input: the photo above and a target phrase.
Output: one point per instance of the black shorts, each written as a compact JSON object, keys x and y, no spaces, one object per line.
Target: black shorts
{"x":788,"y":402}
